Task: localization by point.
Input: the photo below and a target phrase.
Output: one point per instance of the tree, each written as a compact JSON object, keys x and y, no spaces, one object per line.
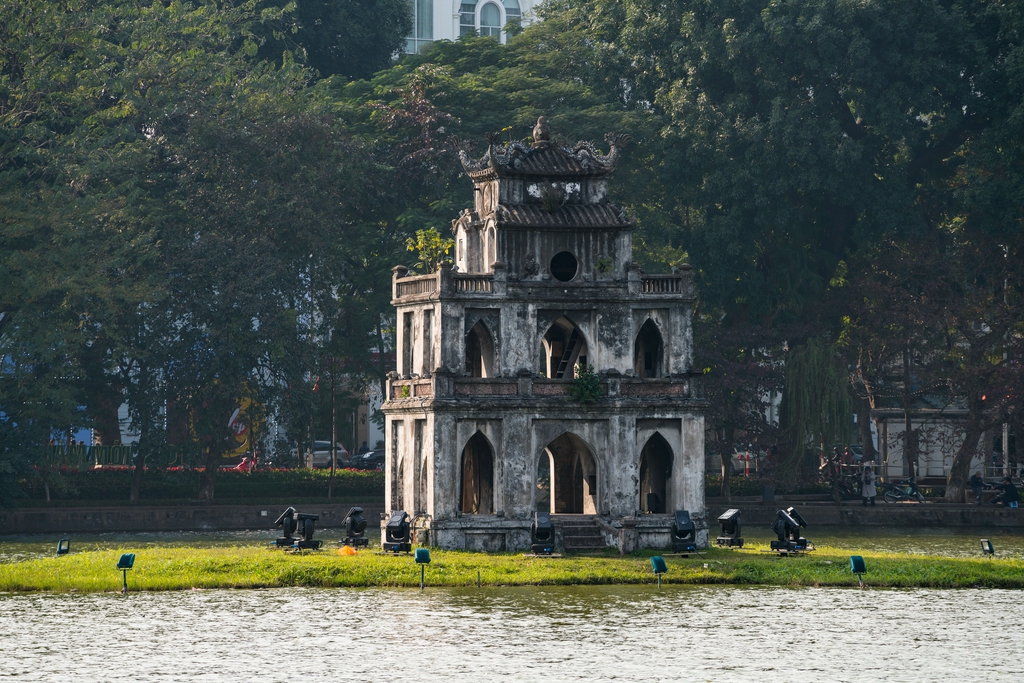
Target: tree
{"x":743,"y":370}
{"x":352,"y":39}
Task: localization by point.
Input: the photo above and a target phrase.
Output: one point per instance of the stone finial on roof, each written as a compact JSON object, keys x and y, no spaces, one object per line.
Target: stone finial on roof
{"x":541,"y":132}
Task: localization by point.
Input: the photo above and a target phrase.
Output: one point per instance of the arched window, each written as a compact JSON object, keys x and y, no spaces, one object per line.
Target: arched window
{"x":490,"y":17}
{"x":477,"y":493}
{"x":647,"y":351}
{"x":490,"y":20}
{"x":492,"y":248}
{"x":564,"y":348}
{"x":655,"y":472}
{"x":479,"y":351}
{"x":567,"y":477}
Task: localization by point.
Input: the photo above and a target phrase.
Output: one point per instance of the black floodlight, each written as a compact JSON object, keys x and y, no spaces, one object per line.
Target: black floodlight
{"x":684,"y":533}
{"x":986,"y":547}
{"x":355,"y":527}
{"x":542,"y":534}
{"x":787,"y":526}
{"x":858,"y":567}
{"x":306,"y":525}
{"x":64,"y":546}
{"x":397,"y":533}
{"x":126,"y":562}
{"x":288,"y":524}
{"x":730,"y":536}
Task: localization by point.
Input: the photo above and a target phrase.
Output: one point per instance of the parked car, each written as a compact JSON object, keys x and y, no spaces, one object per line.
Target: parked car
{"x":371,"y":460}
{"x":322,"y":455}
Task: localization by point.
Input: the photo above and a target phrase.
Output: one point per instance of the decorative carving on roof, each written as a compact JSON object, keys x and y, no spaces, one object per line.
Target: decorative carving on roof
{"x":544,"y":158}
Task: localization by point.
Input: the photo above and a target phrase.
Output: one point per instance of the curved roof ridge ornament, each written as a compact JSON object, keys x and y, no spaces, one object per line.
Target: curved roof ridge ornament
{"x":617,"y":142}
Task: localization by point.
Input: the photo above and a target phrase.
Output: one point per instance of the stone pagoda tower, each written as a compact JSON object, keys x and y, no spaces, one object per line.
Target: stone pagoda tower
{"x":480,"y":424}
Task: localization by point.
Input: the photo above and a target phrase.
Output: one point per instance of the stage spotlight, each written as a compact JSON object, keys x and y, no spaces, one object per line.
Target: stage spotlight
{"x":684,"y":533}
{"x":730,"y":536}
{"x":64,"y":546}
{"x":787,"y":526}
{"x":542,"y":534}
{"x":355,"y":526}
{"x":306,"y":524}
{"x":292,"y":522}
{"x":397,"y":533}
{"x":287,"y":524}
{"x":986,"y":547}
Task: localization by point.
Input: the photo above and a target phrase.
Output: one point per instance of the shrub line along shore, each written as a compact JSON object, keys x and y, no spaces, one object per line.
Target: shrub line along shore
{"x":158,"y":569}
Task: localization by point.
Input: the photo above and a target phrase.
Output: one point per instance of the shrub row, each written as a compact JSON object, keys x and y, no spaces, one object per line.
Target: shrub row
{"x":109,"y":484}
{"x":753,"y":486}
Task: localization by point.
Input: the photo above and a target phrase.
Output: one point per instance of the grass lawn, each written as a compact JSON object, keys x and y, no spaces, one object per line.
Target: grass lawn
{"x":183,"y":568}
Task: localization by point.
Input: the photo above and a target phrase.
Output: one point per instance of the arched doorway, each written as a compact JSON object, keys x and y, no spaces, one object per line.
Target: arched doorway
{"x":479,"y":351}
{"x":647,"y":351}
{"x":477,"y":490}
{"x":567,"y":477}
{"x":655,"y":472}
{"x":563,"y":349}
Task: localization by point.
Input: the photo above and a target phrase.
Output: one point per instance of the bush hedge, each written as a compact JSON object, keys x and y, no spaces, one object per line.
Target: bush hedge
{"x":180,"y":486}
{"x":753,"y":486}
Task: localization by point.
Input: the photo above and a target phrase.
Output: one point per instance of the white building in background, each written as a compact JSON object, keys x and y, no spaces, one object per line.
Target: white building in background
{"x":449,"y":19}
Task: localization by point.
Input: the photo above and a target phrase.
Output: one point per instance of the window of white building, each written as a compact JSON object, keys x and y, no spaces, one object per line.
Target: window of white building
{"x":490,"y":20}
{"x":488,"y":17}
{"x":422,"y":26}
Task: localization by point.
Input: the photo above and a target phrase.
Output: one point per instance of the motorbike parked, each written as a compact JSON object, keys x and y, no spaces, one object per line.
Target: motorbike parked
{"x":905,"y":489}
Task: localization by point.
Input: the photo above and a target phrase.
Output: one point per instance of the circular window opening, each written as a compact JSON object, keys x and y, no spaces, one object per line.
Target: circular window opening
{"x":564,"y":266}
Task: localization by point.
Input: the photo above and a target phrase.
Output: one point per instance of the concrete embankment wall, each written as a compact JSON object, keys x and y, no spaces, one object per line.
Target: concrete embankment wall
{"x":883,"y":514}
{"x":170,"y":518}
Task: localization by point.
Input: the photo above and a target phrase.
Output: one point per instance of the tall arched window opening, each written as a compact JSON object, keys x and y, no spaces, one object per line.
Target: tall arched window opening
{"x":477,"y":492}
{"x":570,"y":484}
{"x":479,"y":351}
{"x":655,"y":472}
{"x":563,"y":350}
{"x":648,"y":351}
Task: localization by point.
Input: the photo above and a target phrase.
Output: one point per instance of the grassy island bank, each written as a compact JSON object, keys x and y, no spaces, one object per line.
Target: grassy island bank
{"x":256,"y":567}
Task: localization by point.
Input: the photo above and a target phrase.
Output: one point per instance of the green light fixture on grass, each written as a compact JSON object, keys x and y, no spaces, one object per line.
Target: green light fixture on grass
{"x":858,"y":567}
{"x":659,"y":567}
{"x":126,"y":562}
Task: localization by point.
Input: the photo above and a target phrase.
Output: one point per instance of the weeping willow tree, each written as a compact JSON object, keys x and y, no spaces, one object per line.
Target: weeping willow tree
{"x":817,"y":407}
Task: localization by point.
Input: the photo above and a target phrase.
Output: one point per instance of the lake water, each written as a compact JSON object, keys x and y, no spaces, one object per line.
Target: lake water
{"x":620,"y":633}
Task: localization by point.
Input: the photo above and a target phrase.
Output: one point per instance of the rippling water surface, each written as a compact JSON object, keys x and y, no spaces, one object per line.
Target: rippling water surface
{"x":622,"y":633}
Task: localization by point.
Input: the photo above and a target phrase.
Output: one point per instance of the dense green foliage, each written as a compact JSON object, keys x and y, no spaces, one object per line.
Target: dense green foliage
{"x":200,"y":202}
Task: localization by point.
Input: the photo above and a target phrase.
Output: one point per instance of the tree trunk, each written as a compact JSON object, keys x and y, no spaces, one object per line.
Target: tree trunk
{"x":209,"y":478}
{"x":909,"y":438}
{"x":140,"y":466}
{"x":864,"y":425}
{"x":727,"y":445}
{"x":959,"y":473}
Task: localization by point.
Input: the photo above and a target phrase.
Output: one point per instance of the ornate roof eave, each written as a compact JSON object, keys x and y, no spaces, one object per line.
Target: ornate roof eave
{"x":544,"y":158}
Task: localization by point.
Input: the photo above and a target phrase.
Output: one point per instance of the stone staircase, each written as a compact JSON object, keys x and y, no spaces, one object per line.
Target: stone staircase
{"x":579,"y":533}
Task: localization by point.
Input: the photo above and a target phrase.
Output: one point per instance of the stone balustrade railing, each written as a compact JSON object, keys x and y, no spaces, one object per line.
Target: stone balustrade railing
{"x":445,"y":385}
